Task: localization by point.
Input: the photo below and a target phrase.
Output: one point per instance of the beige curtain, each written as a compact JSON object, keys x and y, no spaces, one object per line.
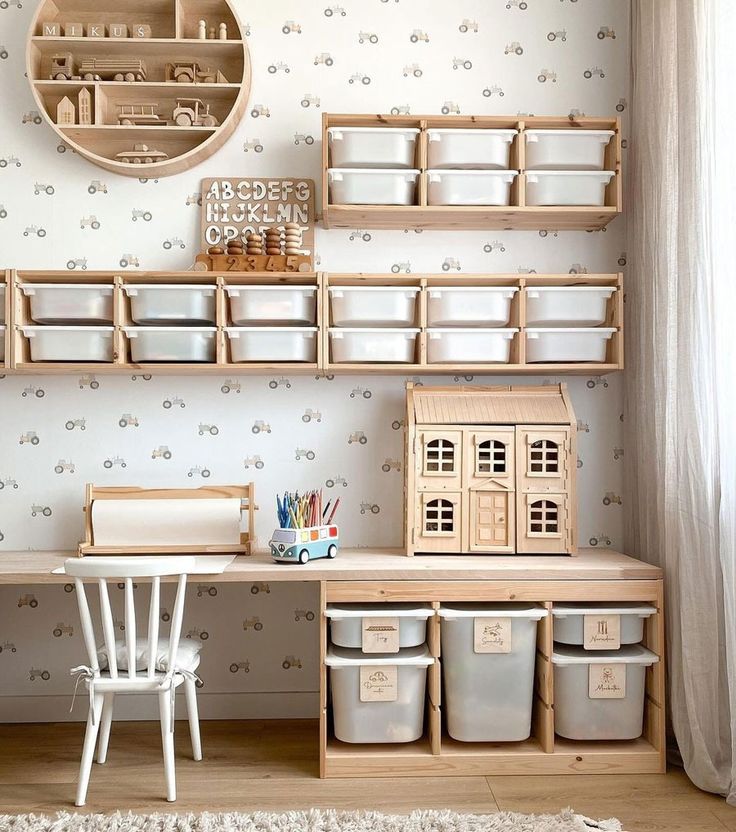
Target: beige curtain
{"x":680,"y":415}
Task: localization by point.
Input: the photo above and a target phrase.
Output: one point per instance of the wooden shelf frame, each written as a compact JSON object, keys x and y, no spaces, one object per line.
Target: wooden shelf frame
{"x":518,"y":215}
{"x":173,"y":25}
{"x":544,"y":752}
{"x":18,"y":314}
{"x":517,"y":364}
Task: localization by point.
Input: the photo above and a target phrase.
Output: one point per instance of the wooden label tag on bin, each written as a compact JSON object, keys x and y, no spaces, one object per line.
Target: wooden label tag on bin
{"x":601,"y":632}
{"x":607,"y":681}
{"x":379,"y":683}
{"x":492,"y":635}
{"x":380,"y":635}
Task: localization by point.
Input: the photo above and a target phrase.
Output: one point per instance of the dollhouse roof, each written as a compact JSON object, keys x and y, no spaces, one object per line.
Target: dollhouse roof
{"x":545,"y":405}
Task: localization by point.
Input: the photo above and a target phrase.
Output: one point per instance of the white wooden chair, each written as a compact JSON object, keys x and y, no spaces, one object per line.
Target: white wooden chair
{"x":130,"y":666}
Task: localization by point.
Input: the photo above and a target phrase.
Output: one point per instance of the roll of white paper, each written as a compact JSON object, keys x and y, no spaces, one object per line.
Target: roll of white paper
{"x":205,"y":522}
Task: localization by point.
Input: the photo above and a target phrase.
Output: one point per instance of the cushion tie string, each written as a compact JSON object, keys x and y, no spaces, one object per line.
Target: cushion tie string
{"x":83,"y":671}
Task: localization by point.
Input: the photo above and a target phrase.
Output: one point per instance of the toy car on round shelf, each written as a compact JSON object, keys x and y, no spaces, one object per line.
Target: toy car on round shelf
{"x":141,"y":154}
{"x":303,"y":545}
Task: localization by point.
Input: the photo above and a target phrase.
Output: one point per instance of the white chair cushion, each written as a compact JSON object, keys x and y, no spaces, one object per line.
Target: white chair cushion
{"x":187,"y":657}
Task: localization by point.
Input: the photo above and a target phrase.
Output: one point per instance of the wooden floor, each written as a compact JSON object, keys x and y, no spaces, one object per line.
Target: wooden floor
{"x":272,"y":766}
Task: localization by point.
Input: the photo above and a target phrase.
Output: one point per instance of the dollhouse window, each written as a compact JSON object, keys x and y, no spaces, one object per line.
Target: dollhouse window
{"x":544,"y":518}
{"x":544,"y":458}
{"x":439,"y":517}
{"x":490,"y":457}
{"x":439,"y":457}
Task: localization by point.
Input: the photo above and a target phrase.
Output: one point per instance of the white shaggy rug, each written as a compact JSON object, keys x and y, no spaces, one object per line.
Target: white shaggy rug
{"x":312,"y":821}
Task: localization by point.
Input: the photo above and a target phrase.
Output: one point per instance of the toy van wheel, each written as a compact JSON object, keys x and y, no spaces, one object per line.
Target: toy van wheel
{"x":331,"y":552}
{"x":303,"y":558}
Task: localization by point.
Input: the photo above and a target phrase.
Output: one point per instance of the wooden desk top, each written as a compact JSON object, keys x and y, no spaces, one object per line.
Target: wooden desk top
{"x":375,"y":565}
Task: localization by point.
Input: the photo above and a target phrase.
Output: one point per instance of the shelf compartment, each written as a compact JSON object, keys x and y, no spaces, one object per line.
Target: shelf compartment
{"x":158,"y":14}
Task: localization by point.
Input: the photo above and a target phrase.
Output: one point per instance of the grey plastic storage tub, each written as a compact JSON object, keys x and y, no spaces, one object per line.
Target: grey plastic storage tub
{"x":600,"y":695}
{"x":603,"y":622}
{"x":364,"y":625}
{"x":400,"y":678}
{"x":488,"y":695}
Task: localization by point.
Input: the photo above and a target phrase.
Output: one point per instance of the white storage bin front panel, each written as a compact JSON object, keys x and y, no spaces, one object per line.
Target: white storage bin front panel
{"x":373,"y":345}
{"x":2,"y":342}
{"x":567,"y":187}
{"x":469,"y":187}
{"x":580,"y":717}
{"x":571,"y":306}
{"x":566,"y":149}
{"x":273,"y":305}
{"x":70,"y":343}
{"x":2,"y":303}
{"x":168,"y":305}
{"x":352,"y":186}
{"x":469,"y":305}
{"x":401,"y":720}
{"x":373,"y":306}
{"x":452,"y":345}
{"x":569,"y":622}
{"x":372,"y":147}
{"x":488,"y":696}
{"x":180,"y":344}
{"x":464,"y":149}
{"x":273,"y":343}
{"x":69,"y":304}
{"x":568,"y":344}
{"x":347,"y":621}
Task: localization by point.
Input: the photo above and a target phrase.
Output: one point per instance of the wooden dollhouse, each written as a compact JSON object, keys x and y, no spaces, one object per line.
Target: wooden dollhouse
{"x":490,"y":470}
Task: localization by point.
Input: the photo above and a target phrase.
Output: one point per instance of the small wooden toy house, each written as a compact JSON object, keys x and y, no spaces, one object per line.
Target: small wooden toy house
{"x":490,"y":470}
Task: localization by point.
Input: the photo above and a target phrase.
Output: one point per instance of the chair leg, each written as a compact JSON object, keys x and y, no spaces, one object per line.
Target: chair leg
{"x":88,"y":752}
{"x":105,"y":725}
{"x":167,"y":741}
{"x":190,"y":692}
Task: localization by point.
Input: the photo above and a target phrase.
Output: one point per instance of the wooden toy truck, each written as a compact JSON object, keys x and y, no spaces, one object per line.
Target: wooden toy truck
{"x":490,"y":470}
{"x":190,"y":72}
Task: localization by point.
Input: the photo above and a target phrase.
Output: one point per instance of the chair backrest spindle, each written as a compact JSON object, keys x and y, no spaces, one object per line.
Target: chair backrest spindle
{"x":108,"y":627}
{"x":153,"y":614}
{"x":131,"y":635}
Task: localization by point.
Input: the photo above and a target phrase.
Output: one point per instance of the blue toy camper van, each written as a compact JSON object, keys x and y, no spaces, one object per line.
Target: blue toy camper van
{"x":302,"y":545}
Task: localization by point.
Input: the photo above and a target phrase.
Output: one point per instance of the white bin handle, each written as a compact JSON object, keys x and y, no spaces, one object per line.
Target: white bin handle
{"x":435,"y":177}
{"x":336,"y":135}
{"x":532,"y":137}
{"x":335,"y":176}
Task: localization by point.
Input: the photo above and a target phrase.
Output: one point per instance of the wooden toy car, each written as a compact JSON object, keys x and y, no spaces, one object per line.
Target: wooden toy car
{"x":193,"y":112}
{"x":140,"y":114}
{"x":141,"y":154}
{"x":190,"y":72}
{"x":303,"y":545}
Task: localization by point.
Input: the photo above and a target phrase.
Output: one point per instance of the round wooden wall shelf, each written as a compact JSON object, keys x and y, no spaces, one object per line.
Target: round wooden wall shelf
{"x":132,"y":86}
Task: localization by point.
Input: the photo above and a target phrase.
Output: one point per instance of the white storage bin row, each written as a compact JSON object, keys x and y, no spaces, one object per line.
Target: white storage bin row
{"x":479,"y":148}
{"x":488,"y":663}
{"x":600,"y":625}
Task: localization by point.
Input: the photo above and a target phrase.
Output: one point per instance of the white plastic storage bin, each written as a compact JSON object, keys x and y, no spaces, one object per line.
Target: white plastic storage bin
{"x":70,"y":343}
{"x":469,"y":305}
{"x":378,"y":697}
{"x":372,"y":147}
{"x":566,"y":149}
{"x":172,"y":304}
{"x":572,"y":306}
{"x":470,"y":187}
{"x":252,"y":343}
{"x":488,"y":654}
{"x":378,"y":628}
{"x":2,"y":303}
{"x":558,"y":344}
{"x":368,"y":345}
{"x":69,"y":304}
{"x":567,"y":187}
{"x":353,"y":186}
{"x":273,"y":305}
{"x":373,"y":305}
{"x":171,"y":343}
{"x":480,"y":149}
{"x":600,"y":626}
{"x":2,"y":342}
{"x":452,"y":345}
{"x":600,"y":696}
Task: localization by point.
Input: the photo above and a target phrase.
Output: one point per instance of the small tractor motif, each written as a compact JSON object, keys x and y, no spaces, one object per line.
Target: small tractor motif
{"x":606,"y":32}
{"x":488,"y":92}
{"x":206,"y":589}
{"x":291,"y":26}
{"x":244,"y":666}
{"x":390,"y":464}
{"x":547,"y":75}
{"x":62,"y":465}
{"x":401,"y":110}
{"x":468,"y":25}
{"x":128,"y":420}
{"x":260,"y":586}
{"x":32,"y":390}
{"x":618,"y":453}
{"x":303,"y":138}
{"x":403,"y":266}
{"x":36,"y":509}
{"x":174,"y":401}
{"x":8,"y":646}
{"x":291,"y":661}
{"x":372,"y":508}
{"x":253,"y":623}
{"x":96,"y":187}
{"x":255,"y":461}
{"x":324,"y":58}
{"x":199,"y":471}
{"x":115,"y":460}
{"x":28,"y":601}
{"x":253,"y":144}
{"x":230,"y":386}
{"x":610,"y":498}
{"x":338,"y":480}
{"x":30,"y":436}
{"x":450,"y":263}
{"x":195,"y":632}
{"x":596,"y":70}
{"x":359,"y":78}
{"x":308,"y":615}
{"x":173,"y":242}
{"x":259,"y":426}
{"x":357,"y":436}
{"x":450,"y":107}
{"x":62,"y":629}
{"x":310,"y":415}
{"x":309,"y":100}
{"x":304,"y":452}
{"x":137,"y":214}
{"x":279,"y":66}
{"x":560,"y":34}
{"x":10,"y":160}
{"x":412,"y":69}
{"x":600,"y":539}
{"x":591,"y":383}
{"x":279,"y":382}
{"x":213,"y":430}
{"x":162,"y":452}
{"x":330,"y":11}
{"x":514,"y":48}
{"x":43,"y":188}
{"x":496,"y":245}
{"x":76,"y":423}
{"x":129,"y":260}
{"x":369,"y":37}
{"x":260,"y":110}
{"x":194,"y":199}
{"x":418,"y":35}
{"x":77,"y":263}
{"x":359,"y":234}
{"x":357,"y":392}
{"x":33,"y":117}
{"x":9,"y":483}
{"x":35,"y":673}
{"x":461,"y":63}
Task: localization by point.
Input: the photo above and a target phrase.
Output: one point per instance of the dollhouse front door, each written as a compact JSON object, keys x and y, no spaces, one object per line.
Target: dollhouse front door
{"x":491,"y":521}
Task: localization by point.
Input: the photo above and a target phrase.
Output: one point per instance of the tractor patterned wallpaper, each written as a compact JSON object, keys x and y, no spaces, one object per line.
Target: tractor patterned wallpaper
{"x":344,"y":434}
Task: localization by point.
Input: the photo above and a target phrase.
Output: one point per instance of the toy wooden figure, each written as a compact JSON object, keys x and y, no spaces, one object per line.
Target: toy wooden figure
{"x":85,"y":106}
{"x":65,"y":112}
{"x":490,"y":469}
{"x":223,"y":31}
{"x":202,"y":30}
